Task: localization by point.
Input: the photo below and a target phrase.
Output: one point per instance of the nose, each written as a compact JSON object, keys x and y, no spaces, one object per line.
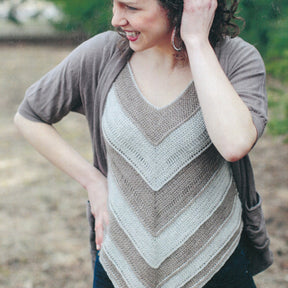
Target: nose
{"x":118,"y":19}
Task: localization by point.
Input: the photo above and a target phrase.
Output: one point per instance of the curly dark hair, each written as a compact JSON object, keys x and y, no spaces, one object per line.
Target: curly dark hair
{"x":223,"y":24}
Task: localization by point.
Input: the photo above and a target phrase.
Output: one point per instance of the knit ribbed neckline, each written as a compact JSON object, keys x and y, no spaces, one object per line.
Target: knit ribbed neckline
{"x":159,"y":108}
{"x":155,"y":124}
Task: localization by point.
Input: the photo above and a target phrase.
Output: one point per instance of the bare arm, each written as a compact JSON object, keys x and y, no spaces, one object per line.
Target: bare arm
{"x":227,"y":118}
{"x":45,"y":139}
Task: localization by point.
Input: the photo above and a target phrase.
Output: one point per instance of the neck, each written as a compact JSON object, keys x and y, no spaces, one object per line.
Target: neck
{"x":164,"y":58}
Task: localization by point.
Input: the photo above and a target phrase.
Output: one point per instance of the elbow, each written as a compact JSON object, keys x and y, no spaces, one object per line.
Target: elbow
{"x":17,"y":120}
{"x":235,"y":146}
{"x":233,"y":156}
{"x":237,"y":150}
{"x":29,"y":128}
{"x":20,"y":122}
{"x":24,"y":125}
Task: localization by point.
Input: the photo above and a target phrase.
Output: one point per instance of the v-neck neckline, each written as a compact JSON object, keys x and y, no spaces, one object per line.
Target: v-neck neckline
{"x":144,"y":114}
{"x":158,"y":108}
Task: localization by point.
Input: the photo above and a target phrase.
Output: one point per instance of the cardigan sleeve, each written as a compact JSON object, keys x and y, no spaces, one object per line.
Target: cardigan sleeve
{"x":245,"y":69}
{"x":70,"y":86}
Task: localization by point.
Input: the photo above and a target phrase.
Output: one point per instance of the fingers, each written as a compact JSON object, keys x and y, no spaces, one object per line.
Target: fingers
{"x":98,"y":197}
{"x":200,"y":5}
{"x":197,"y":19}
{"x":101,"y":221}
{"x":99,"y":232}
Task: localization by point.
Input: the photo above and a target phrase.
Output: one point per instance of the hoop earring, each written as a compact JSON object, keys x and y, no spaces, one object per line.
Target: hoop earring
{"x":173,"y":41}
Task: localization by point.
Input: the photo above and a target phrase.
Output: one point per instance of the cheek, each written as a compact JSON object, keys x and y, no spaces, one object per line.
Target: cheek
{"x":157,"y":22}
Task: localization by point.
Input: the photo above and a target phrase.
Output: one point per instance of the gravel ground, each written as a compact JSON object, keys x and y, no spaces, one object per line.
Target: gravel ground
{"x":44,"y":234}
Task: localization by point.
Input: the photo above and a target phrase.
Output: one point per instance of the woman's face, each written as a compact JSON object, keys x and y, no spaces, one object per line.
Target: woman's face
{"x":144,"y":22}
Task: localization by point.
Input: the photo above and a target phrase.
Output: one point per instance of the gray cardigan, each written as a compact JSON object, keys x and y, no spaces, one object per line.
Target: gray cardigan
{"x":81,"y":83}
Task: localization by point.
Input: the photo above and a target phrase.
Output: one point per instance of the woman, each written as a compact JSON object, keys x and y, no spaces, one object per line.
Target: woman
{"x":168,"y":109}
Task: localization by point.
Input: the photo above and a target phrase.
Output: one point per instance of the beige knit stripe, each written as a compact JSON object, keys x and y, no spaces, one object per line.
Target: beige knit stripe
{"x":156,"y":209}
{"x":202,"y":278}
{"x":182,"y":255}
{"x":155,"y":123}
{"x":112,"y":272}
{"x":156,"y":164}
{"x":189,"y":220}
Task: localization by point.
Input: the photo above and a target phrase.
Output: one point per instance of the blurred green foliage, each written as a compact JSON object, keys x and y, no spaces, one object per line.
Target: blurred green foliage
{"x":266,"y":28}
{"x":278,"y":109}
{"x":88,"y":17}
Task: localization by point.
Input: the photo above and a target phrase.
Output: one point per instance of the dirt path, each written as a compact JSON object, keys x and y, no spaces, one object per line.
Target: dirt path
{"x":44,"y":234}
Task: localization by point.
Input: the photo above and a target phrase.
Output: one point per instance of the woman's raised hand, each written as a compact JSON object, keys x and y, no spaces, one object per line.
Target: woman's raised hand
{"x":197,"y":19}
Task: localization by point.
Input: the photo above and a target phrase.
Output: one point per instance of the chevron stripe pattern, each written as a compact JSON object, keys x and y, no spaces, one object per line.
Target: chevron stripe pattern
{"x":174,"y":210}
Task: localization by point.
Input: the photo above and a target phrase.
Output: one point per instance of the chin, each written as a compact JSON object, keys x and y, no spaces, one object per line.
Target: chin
{"x":136,"y":48}
{"x":139,"y":47}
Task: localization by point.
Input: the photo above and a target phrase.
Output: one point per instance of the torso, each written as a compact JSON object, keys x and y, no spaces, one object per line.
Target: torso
{"x":174,"y":211}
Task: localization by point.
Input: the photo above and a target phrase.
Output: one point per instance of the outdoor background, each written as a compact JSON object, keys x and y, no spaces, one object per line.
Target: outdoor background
{"x":43,"y":228}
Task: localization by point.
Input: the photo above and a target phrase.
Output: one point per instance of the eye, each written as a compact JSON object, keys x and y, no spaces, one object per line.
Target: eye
{"x":131,"y":8}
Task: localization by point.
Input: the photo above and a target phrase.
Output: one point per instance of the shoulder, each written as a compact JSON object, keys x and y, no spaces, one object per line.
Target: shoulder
{"x":235,"y":46}
{"x":235,"y":53}
{"x":100,"y":45}
{"x":89,"y":58}
{"x":108,"y":39}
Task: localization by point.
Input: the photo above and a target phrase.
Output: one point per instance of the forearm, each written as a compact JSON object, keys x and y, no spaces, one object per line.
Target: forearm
{"x":45,"y":139}
{"x":227,"y":118}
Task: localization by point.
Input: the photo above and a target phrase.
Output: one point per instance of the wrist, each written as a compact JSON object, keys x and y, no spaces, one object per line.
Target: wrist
{"x":194,"y":43}
{"x":93,"y":178}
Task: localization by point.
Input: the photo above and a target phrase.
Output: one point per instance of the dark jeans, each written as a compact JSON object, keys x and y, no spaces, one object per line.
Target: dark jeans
{"x":101,"y":279}
{"x":234,"y":273}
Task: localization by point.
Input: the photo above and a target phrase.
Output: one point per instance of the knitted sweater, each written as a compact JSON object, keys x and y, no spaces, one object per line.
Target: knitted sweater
{"x":174,"y":211}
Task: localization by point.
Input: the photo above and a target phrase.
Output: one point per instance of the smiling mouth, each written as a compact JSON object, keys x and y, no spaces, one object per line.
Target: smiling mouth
{"x":132,"y":34}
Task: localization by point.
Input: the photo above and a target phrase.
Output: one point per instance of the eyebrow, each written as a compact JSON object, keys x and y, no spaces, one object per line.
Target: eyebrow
{"x":127,"y":2}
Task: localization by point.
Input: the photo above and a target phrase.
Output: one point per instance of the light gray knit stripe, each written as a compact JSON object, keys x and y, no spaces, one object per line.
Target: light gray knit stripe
{"x":191,"y":248}
{"x":211,"y":251}
{"x":155,"y":123}
{"x":202,"y":278}
{"x":120,"y":263}
{"x":112,"y":271}
{"x":156,"y":164}
{"x":156,"y":209}
{"x":169,"y":240}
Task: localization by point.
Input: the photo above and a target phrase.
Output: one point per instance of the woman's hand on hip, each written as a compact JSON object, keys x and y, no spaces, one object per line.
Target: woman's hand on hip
{"x":51,"y":145}
{"x":197,"y":19}
{"x":98,"y":196}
